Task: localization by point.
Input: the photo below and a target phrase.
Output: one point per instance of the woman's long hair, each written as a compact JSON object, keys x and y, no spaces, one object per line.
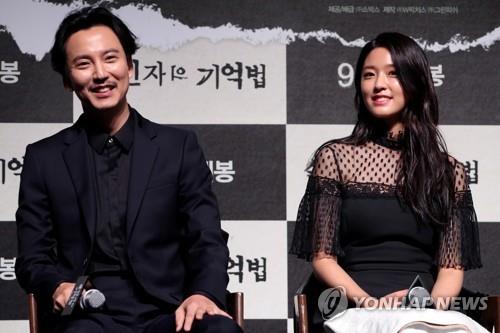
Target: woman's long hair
{"x":426,"y":177}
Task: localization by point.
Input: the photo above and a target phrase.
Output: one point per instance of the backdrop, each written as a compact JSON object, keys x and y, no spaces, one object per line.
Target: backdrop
{"x":263,"y":83}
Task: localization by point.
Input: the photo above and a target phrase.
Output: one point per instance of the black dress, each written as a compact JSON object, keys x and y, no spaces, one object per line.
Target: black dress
{"x":351,"y":210}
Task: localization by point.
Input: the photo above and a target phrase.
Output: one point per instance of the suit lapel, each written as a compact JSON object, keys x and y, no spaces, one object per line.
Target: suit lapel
{"x":144,"y":154}
{"x":76,"y":158}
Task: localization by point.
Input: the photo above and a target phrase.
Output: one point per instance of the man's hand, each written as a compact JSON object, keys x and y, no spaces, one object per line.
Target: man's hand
{"x":61,"y":295}
{"x":194,"y":307}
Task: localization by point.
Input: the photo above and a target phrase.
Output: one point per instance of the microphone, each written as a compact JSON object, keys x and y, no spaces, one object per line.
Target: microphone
{"x":87,"y":300}
{"x":418,"y":296}
{"x":91,"y":299}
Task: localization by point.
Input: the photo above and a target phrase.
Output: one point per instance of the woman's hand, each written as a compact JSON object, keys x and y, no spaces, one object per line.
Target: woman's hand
{"x":392,"y":300}
{"x":329,"y":271}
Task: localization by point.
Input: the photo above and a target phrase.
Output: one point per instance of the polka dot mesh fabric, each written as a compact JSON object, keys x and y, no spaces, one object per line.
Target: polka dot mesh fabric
{"x":370,"y":170}
{"x":369,"y":163}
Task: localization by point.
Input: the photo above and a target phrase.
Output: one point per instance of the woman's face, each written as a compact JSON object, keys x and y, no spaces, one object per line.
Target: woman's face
{"x":380,"y":87}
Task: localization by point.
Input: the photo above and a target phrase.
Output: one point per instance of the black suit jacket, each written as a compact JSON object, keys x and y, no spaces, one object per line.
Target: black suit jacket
{"x":174,"y":241}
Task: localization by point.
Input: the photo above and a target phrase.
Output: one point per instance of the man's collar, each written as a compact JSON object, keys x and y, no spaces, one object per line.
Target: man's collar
{"x":125,"y":135}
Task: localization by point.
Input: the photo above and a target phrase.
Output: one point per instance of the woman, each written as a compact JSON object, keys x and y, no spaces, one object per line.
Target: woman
{"x":388,"y":203}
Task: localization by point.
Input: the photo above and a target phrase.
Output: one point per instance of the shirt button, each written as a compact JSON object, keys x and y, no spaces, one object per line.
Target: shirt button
{"x":110,"y":140}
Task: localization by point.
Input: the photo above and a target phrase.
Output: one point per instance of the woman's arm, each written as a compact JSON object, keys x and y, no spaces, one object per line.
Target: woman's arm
{"x":448,"y":284}
{"x":329,"y":271}
{"x":459,"y":242}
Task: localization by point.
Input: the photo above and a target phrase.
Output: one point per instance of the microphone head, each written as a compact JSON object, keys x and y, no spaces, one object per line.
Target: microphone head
{"x":419,"y":297}
{"x":92,"y":299}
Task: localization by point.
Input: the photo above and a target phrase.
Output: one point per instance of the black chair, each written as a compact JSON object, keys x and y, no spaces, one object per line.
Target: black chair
{"x":306,"y":318}
{"x":234,"y":307}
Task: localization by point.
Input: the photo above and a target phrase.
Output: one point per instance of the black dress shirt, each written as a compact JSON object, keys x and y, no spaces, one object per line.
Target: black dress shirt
{"x":110,"y":156}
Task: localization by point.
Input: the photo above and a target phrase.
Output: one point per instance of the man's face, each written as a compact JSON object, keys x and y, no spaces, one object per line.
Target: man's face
{"x":97,"y":69}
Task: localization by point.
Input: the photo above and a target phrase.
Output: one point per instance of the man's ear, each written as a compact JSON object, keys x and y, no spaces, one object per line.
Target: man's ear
{"x":67,"y":84}
{"x":130,"y":65}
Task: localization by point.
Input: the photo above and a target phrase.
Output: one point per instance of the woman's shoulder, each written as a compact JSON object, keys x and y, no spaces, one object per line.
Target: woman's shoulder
{"x":455,"y":163}
{"x":335,"y":146}
{"x":460,"y":174}
{"x":457,"y":166}
{"x":330,"y":158}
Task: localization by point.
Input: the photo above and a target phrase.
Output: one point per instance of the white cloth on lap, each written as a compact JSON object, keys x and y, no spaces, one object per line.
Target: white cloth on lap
{"x":402,"y":321}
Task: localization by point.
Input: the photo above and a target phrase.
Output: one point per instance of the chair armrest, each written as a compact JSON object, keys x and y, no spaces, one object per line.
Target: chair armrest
{"x":235,"y":307}
{"x":300,"y":314}
{"x":493,"y":312}
{"x":32,"y":313}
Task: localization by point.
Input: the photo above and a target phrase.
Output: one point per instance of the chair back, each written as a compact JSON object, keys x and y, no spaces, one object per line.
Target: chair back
{"x":307,"y":317}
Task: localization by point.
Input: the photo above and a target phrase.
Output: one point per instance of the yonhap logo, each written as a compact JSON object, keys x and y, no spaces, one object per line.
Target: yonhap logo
{"x":332,"y":301}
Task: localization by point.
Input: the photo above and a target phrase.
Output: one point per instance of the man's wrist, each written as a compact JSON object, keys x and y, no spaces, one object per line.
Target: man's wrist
{"x":207,"y":295}
{"x":57,"y":285}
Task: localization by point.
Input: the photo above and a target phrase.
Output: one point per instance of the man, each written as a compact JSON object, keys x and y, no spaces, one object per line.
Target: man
{"x":121,"y":199}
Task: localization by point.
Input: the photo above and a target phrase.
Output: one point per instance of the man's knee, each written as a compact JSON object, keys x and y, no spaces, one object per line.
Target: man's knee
{"x":79,"y":326}
{"x":216,"y":324}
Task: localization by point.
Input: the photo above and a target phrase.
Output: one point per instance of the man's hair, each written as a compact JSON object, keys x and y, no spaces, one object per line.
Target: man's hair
{"x":86,"y":18}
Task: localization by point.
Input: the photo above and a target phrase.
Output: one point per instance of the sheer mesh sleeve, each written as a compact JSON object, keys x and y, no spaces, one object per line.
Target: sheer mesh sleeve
{"x":318,"y":218}
{"x":459,"y":241}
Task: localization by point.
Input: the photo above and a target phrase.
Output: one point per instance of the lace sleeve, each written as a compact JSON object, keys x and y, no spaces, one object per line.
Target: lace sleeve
{"x":318,"y":218}
{"x":459,"y":240}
